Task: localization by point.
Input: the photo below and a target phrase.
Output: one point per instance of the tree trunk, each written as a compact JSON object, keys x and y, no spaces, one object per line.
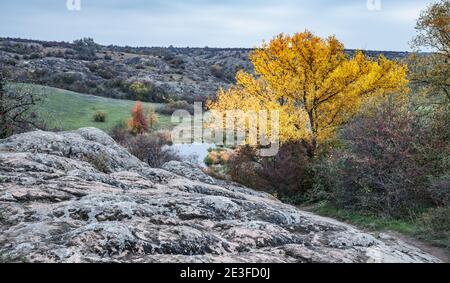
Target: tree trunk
{"x":312,"y":145}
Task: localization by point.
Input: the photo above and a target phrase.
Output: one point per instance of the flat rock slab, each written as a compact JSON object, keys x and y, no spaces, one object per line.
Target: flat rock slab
{"x":79,"y":197}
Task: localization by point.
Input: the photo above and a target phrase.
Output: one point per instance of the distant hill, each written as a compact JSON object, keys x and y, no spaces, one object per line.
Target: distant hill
{"x":169,"y":73}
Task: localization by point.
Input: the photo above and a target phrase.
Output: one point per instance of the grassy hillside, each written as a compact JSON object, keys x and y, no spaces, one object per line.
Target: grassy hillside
{"x":67,"y":110}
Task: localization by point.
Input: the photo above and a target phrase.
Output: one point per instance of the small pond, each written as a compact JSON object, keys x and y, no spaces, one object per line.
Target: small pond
{"x":199,"y":150}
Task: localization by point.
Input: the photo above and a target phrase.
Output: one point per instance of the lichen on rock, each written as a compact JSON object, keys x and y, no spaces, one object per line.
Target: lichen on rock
{"x":57,"y":206}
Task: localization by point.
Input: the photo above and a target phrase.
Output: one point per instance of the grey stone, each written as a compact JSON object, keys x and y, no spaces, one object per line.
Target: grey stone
{"x":57,"y":206}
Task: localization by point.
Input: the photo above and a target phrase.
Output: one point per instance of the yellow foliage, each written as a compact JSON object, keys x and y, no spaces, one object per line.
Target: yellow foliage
{"x":152,"y":118}
{"x":312,"y":83}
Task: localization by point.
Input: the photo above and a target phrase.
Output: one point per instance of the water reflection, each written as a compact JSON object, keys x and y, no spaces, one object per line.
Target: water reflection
{"x":195,"y":152}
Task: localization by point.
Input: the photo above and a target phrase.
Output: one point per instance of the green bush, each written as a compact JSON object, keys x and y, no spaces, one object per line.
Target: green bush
{"x":86,"y":48}
{"x":100,"y":117}
{"x":434,"y":226}
{"x":67,"y":78}
{"x":385,"y":164}
{"x":139,"y":90}
{"x":439,"y":190}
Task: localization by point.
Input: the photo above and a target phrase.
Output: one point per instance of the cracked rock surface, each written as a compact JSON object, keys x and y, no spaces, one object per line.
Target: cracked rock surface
{"x":79,"y":197}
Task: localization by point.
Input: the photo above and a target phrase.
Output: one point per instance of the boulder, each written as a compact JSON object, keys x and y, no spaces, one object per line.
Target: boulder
{"x":79,"y":197}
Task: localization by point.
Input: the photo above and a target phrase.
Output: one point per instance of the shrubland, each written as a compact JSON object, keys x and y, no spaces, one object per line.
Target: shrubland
{"x":365,"y":138}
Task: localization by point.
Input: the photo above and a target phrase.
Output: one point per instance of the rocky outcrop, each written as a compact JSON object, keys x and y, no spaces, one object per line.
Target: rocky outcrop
{"x":79,"y":197}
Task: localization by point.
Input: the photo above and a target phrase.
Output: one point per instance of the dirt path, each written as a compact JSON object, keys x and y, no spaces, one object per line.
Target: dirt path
{"x":441,"y":253}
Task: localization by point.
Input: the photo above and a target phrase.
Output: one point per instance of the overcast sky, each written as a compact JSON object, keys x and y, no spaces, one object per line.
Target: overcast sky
{"x":213,"y":23}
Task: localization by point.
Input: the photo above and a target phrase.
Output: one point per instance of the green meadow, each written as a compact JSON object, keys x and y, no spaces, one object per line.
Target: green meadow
{"x":68,"y":110}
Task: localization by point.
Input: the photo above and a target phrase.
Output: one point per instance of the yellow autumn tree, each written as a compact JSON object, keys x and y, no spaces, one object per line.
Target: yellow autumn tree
{"x":313,"y":84}
{"x":152,"y":118}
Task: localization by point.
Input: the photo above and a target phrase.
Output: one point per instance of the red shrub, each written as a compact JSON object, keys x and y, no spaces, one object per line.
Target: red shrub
{"x":138,"y":123}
